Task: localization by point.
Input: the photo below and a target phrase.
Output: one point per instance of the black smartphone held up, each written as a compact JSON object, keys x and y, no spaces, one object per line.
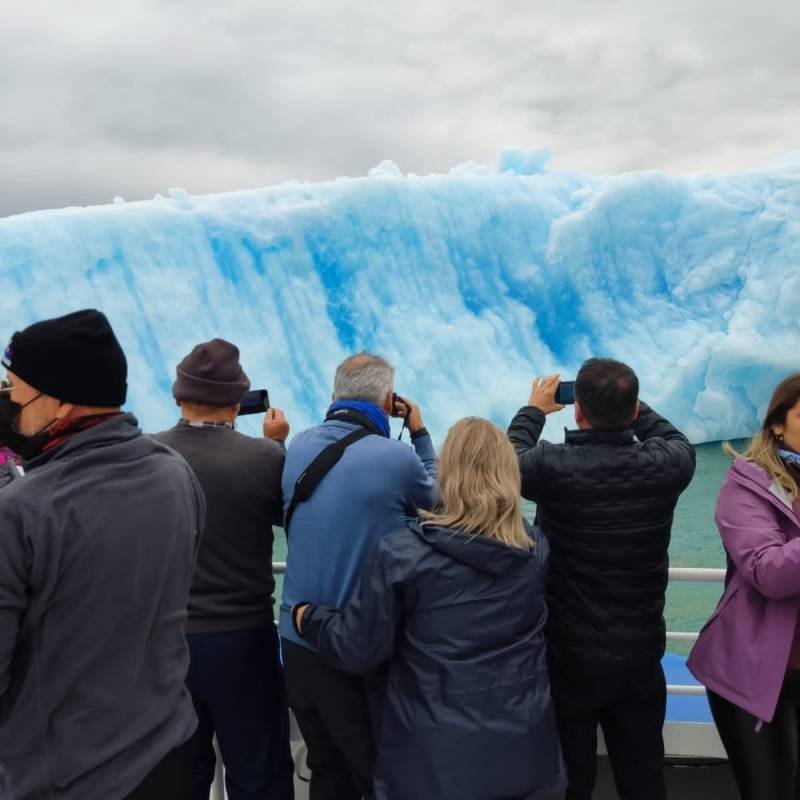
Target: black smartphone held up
{"x":255,"y":402}
{"x":565,"y":394}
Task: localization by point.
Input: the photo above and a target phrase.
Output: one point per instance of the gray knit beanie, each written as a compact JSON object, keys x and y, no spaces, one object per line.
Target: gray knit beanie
{"x":211,"y":375}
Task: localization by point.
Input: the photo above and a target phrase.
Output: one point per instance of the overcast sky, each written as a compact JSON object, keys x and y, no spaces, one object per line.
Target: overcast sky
{"x":102,"y":98}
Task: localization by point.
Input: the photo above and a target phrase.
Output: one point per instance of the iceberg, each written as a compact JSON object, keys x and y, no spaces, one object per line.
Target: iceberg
{"x":471,"y":283}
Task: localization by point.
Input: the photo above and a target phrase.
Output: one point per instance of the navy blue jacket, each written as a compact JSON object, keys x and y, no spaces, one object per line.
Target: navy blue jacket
{"x":465,"y":711}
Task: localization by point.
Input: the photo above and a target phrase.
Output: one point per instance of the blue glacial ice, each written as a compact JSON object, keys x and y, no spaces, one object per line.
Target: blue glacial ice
{"x":471,"y":282}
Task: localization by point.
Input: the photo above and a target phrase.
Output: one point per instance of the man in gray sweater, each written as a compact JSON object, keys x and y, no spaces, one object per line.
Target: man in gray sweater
{"x":97,"y":543}
{"x":235,"y":678}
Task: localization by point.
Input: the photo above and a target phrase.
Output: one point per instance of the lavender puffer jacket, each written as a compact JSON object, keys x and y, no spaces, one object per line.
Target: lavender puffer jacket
{"x":743,"y":650}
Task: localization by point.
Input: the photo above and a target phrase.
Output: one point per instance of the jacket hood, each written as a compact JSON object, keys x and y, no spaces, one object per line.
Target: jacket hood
{"x":482,"y":553}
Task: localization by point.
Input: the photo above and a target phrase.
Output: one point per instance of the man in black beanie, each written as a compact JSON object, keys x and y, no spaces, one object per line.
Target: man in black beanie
{"x":235,"y":677}
{"x":97,"y":544}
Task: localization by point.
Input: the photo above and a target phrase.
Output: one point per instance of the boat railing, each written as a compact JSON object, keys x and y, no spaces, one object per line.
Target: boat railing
{"x":694,"y":575}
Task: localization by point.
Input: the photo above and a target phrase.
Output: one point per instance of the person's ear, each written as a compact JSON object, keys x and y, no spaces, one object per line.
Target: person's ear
{"x":579,"y":418}
{"x":388,"y":402}
{"x":777,"y":431}
{"x":635,"y":414}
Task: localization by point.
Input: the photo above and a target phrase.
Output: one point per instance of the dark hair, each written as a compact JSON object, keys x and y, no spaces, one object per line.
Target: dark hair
{"x":607,"y":391}
{"x":785,"y":397}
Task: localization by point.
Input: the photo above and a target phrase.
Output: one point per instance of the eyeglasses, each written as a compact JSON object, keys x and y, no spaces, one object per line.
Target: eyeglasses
{"x":5,"y":386}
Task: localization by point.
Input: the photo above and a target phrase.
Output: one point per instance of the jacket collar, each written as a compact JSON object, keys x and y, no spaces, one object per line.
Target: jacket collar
{"x":599,"y":436}
{"x":120,"y":427}
{"x":750,"y":475}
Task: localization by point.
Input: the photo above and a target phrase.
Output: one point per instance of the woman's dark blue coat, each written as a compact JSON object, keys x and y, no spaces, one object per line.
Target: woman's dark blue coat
{"x":465,"y":713}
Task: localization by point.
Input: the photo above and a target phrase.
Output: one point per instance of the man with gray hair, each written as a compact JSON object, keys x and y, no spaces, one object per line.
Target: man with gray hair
{"x":346,"y":483}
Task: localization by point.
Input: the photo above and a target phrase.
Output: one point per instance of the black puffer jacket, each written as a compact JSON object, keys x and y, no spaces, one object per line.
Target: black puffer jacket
{"x":466,"y":712}
{"x":605,"y":501}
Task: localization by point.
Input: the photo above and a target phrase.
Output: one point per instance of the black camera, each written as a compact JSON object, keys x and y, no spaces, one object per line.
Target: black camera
{"x":395,"y":400}
{"x":565,"y":394}
{"x":255,"y":402}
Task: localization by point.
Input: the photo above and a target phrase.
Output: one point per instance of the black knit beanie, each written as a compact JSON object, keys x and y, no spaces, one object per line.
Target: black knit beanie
{"x":211,"y":375}
{"x":76,"y":359}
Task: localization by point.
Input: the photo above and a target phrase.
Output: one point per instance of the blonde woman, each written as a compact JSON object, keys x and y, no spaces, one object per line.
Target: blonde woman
{"x":748,"y":653}
{"x":453,"y":606}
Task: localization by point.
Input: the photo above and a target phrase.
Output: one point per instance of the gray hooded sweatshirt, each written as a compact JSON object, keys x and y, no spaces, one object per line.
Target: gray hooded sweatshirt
{"x":97,"y":543}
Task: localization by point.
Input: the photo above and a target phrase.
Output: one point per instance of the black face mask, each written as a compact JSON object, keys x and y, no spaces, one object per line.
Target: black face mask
{"x":26,"y":447}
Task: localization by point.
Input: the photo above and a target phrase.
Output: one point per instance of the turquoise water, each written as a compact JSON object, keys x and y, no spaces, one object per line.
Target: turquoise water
{"x":695,"y":543}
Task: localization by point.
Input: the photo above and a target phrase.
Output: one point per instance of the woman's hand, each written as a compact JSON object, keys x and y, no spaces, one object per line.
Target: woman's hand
{"x":298,"y":616}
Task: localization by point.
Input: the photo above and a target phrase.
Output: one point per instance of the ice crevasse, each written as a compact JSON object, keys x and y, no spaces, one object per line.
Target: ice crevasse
{"x":471,"y":283}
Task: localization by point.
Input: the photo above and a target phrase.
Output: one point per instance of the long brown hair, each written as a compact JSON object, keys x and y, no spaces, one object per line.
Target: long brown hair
{"x":480,"y":483}
{"x":763,"y":447}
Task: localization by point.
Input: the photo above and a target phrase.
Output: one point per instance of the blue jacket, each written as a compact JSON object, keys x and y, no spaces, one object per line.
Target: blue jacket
{"x":377,"y":484}
{"x":465,"y":712}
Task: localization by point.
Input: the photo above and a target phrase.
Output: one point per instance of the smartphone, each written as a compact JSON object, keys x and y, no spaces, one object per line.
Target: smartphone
{"x":565,"y":394}
{"x":255,"y":402}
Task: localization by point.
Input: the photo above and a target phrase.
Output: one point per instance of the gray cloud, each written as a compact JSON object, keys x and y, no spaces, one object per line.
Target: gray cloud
{"x":100,"y":99}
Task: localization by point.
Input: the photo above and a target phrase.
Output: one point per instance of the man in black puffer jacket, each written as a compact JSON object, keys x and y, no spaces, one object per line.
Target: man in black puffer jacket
{"x":605,"y":499}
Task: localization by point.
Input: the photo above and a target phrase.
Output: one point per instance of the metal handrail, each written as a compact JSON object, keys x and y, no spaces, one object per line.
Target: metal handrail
{"x":675,"y":573}
{"x":693,"y":574}
{"x":696,"y":574}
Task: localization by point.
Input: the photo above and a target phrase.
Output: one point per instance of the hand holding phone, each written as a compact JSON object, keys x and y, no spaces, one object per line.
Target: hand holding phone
{"x":543,"y":394}
{"x":276,"y":426}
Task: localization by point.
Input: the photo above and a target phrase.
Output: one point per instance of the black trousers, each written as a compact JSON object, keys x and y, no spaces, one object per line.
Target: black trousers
{"x":332,"y":710}
{"x":629,"y":706}
{"x":764,"y":763}
{"x":237,"y":687}
{"x":171,"y":778}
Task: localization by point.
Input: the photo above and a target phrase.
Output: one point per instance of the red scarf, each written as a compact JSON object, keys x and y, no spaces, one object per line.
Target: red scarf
{"x":63,"y":430}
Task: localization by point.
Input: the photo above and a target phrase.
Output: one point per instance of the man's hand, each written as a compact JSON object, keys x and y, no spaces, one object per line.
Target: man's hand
{"x":298,"y":616}
{"x":276,"y":426}
{"x":543,"y":394}
{"x":410,"y":411}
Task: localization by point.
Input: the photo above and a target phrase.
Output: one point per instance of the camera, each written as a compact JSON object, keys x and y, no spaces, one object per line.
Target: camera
{"x":396,"y":398}
{"x":565,"y":394}
{"x":255,"y":402}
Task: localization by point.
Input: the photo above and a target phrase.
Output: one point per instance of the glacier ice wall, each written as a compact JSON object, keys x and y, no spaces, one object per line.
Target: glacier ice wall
{"x":471,"y":283}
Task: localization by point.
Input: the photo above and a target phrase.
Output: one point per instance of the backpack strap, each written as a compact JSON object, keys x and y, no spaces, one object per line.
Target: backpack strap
{"x":312,"y":475}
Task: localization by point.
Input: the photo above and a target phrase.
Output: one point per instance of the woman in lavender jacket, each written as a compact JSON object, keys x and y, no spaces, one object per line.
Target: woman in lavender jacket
{"x":748,"y":653}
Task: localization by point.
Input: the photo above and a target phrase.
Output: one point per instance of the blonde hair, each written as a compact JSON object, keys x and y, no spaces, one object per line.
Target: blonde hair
{"x":480,"y":483}
{"x":763,"y":447}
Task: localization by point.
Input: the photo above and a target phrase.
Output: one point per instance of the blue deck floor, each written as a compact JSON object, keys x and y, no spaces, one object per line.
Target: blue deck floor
{"x":682,"y":708}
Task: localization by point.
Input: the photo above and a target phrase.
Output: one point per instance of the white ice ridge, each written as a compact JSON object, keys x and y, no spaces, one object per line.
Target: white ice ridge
{"x":471,"y":283}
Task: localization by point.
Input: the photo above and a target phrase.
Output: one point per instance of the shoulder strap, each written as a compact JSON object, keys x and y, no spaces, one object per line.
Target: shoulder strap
{"x":312,"y":475}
